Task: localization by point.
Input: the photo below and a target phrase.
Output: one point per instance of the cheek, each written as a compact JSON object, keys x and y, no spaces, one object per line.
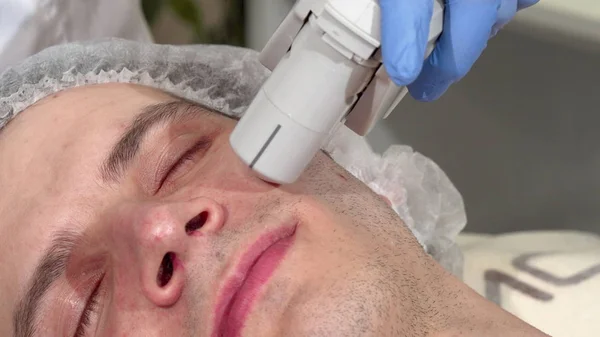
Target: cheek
{"x":347,"y":195}
{"x":130,"y":315}
{"x":325,"y":178}
{"x":145,"y":325}
{"x":127,"y":288}
{"x":222,"y":168}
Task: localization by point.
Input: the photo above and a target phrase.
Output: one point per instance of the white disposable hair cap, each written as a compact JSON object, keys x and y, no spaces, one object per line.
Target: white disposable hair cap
{"x":227,"y":78}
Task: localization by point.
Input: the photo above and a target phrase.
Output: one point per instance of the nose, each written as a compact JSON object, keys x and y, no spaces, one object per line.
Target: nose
{"x":163,"y":235}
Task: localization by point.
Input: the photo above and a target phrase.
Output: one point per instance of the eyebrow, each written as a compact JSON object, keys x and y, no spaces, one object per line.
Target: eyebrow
{"x":127,"y":147}
{"x":48,"y":270}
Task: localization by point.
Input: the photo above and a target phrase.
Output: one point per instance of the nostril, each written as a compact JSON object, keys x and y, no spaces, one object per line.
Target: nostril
{"x":196,"y":222}
{"x":165,"y":271}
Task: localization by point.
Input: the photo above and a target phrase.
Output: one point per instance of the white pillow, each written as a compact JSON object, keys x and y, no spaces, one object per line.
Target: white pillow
{"x":550,"y":279}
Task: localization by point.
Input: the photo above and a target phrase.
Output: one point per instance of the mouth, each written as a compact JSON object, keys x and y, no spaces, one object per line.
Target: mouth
{"x":251,"y":274}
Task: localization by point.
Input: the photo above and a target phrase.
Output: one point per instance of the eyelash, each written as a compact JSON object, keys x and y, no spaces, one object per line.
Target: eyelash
{"x":187,"y":156}
{"x":90,"y":309}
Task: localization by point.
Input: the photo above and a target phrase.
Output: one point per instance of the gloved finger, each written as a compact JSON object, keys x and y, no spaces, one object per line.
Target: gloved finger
{"x":526,"y":3}
{"x":467,"y":28}
{"x":404,"y":32}
{"x":507,"y":10}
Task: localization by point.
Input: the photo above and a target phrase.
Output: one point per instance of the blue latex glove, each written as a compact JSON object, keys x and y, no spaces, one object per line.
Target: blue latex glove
{"x":468,"y":24}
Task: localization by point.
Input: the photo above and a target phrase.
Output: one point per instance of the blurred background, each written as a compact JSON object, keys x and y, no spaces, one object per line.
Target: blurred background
{"x":519,"y":136}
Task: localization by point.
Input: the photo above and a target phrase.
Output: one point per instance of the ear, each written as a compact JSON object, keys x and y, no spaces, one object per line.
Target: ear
{"x":385,"y":199}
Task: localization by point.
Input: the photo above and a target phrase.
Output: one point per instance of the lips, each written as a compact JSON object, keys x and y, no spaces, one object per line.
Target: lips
{"x":252,"y":272}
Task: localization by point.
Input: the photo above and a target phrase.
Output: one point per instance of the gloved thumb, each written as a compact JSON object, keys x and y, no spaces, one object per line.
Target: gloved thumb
{"x":526,"y":3}
{"x":404,"y":33}
{"x":467,"y":28}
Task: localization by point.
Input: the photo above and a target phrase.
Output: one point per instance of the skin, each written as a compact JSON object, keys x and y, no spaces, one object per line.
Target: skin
{"x":353,"y":268}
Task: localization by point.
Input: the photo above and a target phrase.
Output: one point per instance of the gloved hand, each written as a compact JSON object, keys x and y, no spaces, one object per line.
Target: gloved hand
{"x":468,"y":24}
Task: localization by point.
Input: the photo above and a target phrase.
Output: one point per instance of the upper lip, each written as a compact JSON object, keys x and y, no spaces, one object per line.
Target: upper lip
{"x":242,"y":267}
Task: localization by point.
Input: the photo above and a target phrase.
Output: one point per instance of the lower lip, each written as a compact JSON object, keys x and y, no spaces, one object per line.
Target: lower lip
{"x":252,"y":275}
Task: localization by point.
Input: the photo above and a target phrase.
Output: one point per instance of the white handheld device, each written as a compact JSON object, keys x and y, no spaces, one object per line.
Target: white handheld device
{"x":327,"y":70}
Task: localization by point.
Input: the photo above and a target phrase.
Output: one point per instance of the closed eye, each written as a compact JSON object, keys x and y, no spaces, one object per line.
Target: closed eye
{"x":89,"y":312}
{"x":189,"y":156}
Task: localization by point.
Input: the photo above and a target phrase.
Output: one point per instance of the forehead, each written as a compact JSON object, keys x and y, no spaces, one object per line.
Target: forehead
{"x":50,"y":154}
{"x":67,"y":131}
{"x":49,"y":146}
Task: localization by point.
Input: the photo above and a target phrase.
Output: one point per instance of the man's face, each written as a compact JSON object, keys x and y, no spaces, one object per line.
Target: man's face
{"x":126,"y":213}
